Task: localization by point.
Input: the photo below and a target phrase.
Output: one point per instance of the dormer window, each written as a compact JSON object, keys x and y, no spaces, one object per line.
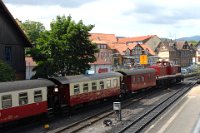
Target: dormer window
{"x":102,"y":46}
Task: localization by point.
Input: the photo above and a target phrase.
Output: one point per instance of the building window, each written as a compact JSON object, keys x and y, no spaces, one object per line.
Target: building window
{"x":94,"y":86}
{"x":6,"y":101}
{"x":23,"y":98}
{"x":38,"y":96}
{"x":101,"y":83}
{"x":76,"y":89}
{"x":85,"y":87}
{"x":8,"y":53}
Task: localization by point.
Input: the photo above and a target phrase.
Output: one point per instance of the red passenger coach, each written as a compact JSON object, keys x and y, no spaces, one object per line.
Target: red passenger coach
{"x":134,"y":80}
{"x":74,"y":90}
{"x":20,"y":99}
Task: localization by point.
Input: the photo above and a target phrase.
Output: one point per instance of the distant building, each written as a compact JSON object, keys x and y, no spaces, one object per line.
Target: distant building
{"x":197,"y":53}
{"x":179,"y":52}
{"x":152,"y":41}
{"x":103,"y":61}
{"x":12,"y":42}
{"x":30,"y":64}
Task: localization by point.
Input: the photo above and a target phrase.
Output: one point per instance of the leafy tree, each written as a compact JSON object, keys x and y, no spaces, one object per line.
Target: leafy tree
{"x":65,"y":49}
{"x":6,"y":72}
{"x":194,"y":43}
{"x":33,"y":30}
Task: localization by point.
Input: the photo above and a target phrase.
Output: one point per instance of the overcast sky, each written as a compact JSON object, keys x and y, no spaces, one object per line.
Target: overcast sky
{"x":165,"y":18}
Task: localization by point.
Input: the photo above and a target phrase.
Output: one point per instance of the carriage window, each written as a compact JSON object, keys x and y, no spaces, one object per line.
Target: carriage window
{"x":94,"y":86}
{"x":108,"y":83}
{"x":115,"y":83}
{"x":142,"y":78}
{"x":133,"y":79}
{"x":6,"y":101}
{"x":76,"y":89}
{"x":138,"y":79}
{"x":85,"y":87}
{"x":149,"y":76}
{"x":101,"y":84}
{"x":38,"y":96}
{"x":23,"y":98}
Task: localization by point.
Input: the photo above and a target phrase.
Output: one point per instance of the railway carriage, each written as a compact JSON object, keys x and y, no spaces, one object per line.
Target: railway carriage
{"x":22,"y":99}
{"x":134,"y":80}
{"x":74,"y":90}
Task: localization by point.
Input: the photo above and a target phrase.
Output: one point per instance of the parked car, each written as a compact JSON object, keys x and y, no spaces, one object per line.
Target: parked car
{"x":184,"y":71}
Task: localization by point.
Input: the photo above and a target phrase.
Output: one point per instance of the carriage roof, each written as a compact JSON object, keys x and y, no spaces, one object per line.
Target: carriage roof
{"x":24,"y":84}
{"x":83,"y":78}
{"x":138,"y":71}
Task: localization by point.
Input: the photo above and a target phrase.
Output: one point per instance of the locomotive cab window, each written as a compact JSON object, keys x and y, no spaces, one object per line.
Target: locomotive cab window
{"x":38,"y":96}
{"x":101,"y":83}
{"x":76,"y":89}
{"x":6,"y":101}
{"x":115,"y":84}
{"x":94,"y":86}
{"x":85,"y":87}
{"x":23,"y":98}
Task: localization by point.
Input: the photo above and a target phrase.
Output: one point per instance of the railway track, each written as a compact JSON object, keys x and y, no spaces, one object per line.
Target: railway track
{"x":83,"y":124}
{"x":79,"y":125}
{"x":136,"y":125}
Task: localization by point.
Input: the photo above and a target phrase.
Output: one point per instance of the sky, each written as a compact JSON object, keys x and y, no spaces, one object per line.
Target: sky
{"x":129,"y":18}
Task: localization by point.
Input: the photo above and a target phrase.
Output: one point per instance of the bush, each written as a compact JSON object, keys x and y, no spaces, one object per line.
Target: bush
{"x":6,"y":72}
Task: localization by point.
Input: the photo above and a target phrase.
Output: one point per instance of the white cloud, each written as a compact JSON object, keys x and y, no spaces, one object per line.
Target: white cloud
{"x":123,"y":18}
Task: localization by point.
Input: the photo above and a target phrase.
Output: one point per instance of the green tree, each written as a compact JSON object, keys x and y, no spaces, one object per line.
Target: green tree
{"x":65,"y":49}
{"x":33,"y":30}
{"x":6,"y":72}
{"x":194,"y":43}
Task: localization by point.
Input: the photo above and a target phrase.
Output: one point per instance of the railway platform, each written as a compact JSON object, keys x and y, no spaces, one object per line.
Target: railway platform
{"x":184,"y":117}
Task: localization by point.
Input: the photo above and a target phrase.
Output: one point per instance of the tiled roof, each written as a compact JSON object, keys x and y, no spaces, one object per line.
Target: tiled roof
{"x":121,"y":48}
{"x":99,"y":42}
{"x":180,"y":44}
{"x":16,"y":26}
{"x":134,"y":39}
{"x":108,"y":38}
{"x":145,"y":47}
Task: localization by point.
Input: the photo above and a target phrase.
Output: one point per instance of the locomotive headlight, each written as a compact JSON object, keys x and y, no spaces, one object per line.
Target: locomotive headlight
{"x":56,"y":89}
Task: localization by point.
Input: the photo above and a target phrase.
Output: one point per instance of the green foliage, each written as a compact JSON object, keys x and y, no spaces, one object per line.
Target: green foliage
{"x":33,"y":30}
{"x":194,"y":43}
{"x":6,"y":72}
{"x":65,"y":49}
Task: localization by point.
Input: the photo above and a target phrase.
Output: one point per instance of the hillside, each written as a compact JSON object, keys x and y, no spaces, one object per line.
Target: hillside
{"x":192,"y":38}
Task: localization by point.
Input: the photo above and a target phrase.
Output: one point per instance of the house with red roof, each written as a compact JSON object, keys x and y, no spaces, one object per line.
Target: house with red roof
{"x":103,"y":61}
{"x":125,"y":52}
{"x":13,"y":42}
{"x":152,"y":41}
{"x":108,"y":38}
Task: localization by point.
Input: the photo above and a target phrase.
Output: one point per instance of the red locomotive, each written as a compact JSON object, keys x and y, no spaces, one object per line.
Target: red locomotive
{"x":167,"y":73}
{"x":20,"y":99}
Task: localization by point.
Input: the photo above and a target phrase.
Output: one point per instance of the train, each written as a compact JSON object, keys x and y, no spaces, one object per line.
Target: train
{"x":26,"y":98}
